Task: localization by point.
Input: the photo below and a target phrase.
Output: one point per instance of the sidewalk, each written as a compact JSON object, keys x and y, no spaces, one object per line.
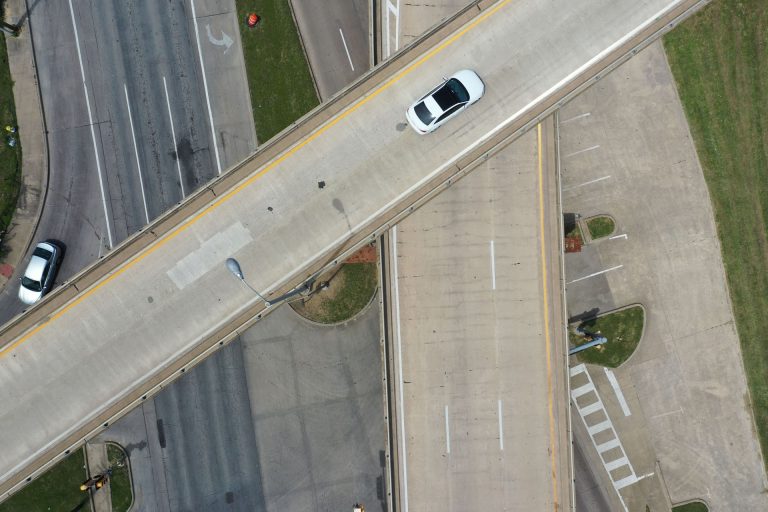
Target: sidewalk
{"x":34,"y":162}
{"x":98,"y":463}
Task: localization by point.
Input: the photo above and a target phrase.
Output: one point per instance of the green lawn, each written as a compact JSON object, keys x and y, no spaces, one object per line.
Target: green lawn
{"x":696,"y":506}
{"x":10,"y":158}
{"x":623,"y":329}
{"x":720,"y":61}
{"x":278,"y":73}
{"x":349,"y":291}
{"x":600,"y":226}
{"x":58,"y":490}
{"x":120,"y":481}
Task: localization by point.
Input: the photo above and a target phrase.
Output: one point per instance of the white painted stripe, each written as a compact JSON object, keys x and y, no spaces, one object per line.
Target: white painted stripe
{"x":493,"y":266}
{"x":501,"y":429}
{"x":398,"y":341}
{"x":617,"y":389}
{"x":576,"y":117}
{"x":586,"y":183}
{"x":616,"y":237}
{"x":447,"y":433}
{"x":616,"y":463}
{"x":344,"y":42}
{"x":631,"y":479}
{"x":579,"y":368}
{"x":136,"y":152}
{"x":645,"y":476}
{"x":205,"y":88}
{"x":173,"y":134}
{"x":613,"y":443}
{"x":595,"y":274}
{"x":593,"y":407}
{"x":582,"y":390}
{"x":591,"y":148}
{"x":90,"y":123}
{"x":397,"y":27}
{"x":603,"y":425}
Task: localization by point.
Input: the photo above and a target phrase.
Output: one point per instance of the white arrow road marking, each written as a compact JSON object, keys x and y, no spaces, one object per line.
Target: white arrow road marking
{"x":224,"y":41}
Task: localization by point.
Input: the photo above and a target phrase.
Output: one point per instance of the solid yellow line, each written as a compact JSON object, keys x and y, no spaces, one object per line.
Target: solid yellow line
{"x":274,"y":163}
{"x":550,"y":391}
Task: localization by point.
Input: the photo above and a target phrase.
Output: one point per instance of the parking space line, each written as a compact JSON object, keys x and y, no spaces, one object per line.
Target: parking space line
{"x":136,"y":152}
{"x":344,"y":42}
{"x":205,"y":88}
{"x":580,"y":116}
{"x":493,"y":267}
{"x":396,"y":299}
{"x":591,"y":148}
{"x":90,"y":124}
{"x":501,"y":429}
{"x":565,"y":189}
{"x":447,"y":432}
{"x":173,"y":134}
{"x":616,"y":237}
{"x":617,"y":389}
{"x":595,"y":274}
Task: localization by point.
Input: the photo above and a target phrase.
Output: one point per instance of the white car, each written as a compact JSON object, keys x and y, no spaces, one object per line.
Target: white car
{"x":40,"y":273}
{"x":445,"y":101}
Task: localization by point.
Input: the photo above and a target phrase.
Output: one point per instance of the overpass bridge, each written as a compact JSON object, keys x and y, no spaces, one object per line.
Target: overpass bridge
{"x":162,"y":301}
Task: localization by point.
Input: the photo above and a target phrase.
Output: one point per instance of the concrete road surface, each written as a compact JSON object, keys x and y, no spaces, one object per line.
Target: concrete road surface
{"x":484,"y":413}
{"x":335,"y":36}
{"x":163,"y":302}
{"x":127,"y":113}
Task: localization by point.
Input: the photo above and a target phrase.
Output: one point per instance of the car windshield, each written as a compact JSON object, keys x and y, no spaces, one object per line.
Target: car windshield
{"x":423,"y":112}
{"x":31,"y":284}
{"x":43,"y":253}
{"x":452,"y":93}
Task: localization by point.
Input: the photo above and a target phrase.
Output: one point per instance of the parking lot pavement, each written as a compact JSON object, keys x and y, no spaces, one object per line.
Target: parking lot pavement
{"x":318,"y":411}
{"x":626,"y":151}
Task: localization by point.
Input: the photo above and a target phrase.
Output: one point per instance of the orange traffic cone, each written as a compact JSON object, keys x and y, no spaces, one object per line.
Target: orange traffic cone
{"x":253,"y":19}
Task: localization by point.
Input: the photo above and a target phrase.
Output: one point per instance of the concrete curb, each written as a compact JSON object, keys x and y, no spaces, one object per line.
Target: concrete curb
{"x":30,"y":118}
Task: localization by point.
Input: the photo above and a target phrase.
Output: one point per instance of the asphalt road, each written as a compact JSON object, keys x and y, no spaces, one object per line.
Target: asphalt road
{"x":138,"y":62}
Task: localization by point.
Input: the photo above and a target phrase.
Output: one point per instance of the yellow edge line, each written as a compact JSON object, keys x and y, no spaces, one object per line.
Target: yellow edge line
{"x":169,"y":236}
{"x":550,"y":390}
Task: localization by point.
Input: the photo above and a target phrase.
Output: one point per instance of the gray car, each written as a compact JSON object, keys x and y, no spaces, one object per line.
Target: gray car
{"x":40,"y":273}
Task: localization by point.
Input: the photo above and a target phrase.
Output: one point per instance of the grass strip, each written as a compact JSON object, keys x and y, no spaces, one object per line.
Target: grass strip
{"x":720,"y":64}
{"x":120,"y":481}
{"x":10,"y":157}
{"x":695,"y":506}
{"x":56,"y":490}
{"x":348,"y":292}
{"x":623,"y":329}
{"x":278,"y":74}
{"x":600,"y":227}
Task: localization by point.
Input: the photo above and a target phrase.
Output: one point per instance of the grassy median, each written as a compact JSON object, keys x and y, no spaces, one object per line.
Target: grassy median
{"x":10,"y":157}
{"x":278,"y":74}
{"x":58,"y":490}
{"x":623,"y":329}
{"x":719,"y":59}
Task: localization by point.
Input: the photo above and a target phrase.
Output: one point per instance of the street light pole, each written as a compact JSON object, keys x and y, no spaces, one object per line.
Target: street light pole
{"x":234,"y":267}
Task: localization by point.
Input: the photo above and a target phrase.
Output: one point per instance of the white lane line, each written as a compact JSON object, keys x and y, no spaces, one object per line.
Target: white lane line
{"x":616,"y":237}
{"x":617,"y":389}
{"x":595,"y":274}
{"x":90,"y":123}
{"x":344,"y":42}
{"x":591,"y":148}
{"x":395,"y":10}
{"x":396,"y":298}
{"x":447,"y":433}
{"x":205,"y":88}
{"x":501,"y":429}
{"x":586,"y":114}
{"x":493,"y":266}
{"x":136,"y":152}
{"x":173,"y":134}
{"x":586,"y":183}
